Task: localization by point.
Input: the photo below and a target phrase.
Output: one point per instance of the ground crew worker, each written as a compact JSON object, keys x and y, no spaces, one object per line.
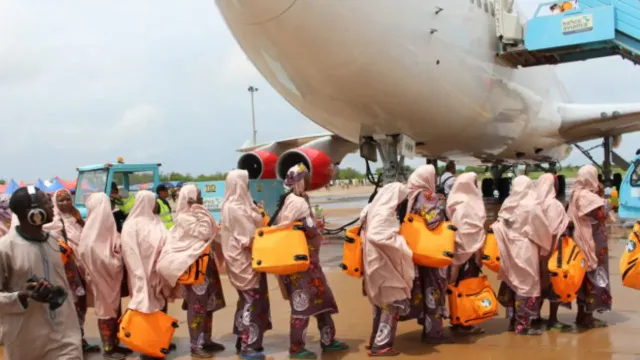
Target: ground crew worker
{"x":125,"y":204}
{"x":165,"y":208}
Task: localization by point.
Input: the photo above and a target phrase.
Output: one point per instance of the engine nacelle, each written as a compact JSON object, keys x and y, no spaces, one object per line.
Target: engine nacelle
{"x":261,"y":164}
{"x":320,"y":156}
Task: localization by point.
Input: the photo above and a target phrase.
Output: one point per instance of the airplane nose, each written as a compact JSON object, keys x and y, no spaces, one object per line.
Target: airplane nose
{"x":255,"y":11}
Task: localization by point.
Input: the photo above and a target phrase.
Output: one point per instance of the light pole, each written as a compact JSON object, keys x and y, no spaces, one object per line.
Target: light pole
{"x":253,"y":89}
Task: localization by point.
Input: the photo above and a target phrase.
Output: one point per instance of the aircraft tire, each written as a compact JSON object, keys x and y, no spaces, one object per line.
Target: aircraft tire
{"x":504,"y":186}
{"x":487,"y":187}
{"x":562,"y":186}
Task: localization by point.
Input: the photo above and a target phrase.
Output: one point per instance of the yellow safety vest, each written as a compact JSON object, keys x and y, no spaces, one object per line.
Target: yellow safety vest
{"x":165,"y":214}
{"x":126,"y":204}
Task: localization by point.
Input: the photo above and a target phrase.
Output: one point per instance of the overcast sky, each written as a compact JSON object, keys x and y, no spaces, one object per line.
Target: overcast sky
{"x":84,"y":82}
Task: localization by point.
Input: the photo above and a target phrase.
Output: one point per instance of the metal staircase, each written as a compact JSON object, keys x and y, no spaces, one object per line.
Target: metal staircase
{"x":595,"y":28}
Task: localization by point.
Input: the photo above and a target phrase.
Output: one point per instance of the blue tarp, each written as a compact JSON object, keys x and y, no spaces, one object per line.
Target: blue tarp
{"x":40,"y":185}
{"x":13,"y":186}
{"x":55,"y":186}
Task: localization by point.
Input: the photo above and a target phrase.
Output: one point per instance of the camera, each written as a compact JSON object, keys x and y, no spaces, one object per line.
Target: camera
{"x":55,"y":296}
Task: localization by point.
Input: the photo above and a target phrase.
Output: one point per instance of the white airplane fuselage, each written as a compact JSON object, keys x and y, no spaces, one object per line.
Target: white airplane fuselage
{"x":424,"y":68}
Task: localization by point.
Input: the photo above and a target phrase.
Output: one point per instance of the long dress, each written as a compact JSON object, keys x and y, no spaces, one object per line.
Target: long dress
{"x":35,"y":331}
{"x":595,"y":293}
{"x":310,"y":295}
{"x":428,"y":296}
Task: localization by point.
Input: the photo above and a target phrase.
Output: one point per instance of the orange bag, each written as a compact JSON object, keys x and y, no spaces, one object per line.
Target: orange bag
{"x":65,"y":251}
{"x":280,"y":251}
{"x":265,"y":217}
{"x":491,"y":256}
{"x":147,"y":334}
{"x":197,"y":272}
{"x":352,"y":253}
{"x":629,"y":260}
{"x":471,"y":301}
{"x":566,"y":269}
{"x":431,"y":248}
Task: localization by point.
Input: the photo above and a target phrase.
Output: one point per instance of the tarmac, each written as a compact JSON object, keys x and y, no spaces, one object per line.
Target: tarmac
{"x":620,"y":341}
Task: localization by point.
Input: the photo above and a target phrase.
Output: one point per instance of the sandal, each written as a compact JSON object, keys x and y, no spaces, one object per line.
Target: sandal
{"x":390,"y":351}
{"x":335,"y":346}
{"x":213,"y":346}
{"x":113,"y":355}
{"x":201,"y":354}
{"x":468,"y":330}
{"x":303,"y":354}
{"x":252,"y":355}
{"x":239,"y":346}
{"x":88,"y":348}
{"x":592,"y":324}
{"x":530,"y":332}
{"x":559,"y":326}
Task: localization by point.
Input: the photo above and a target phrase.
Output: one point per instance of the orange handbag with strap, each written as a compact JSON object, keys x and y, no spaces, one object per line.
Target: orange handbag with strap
{"x":491,"y":252}
{"x":147,"y":334}
{"x":197,"y":272}
{"x":352,"y":253}
{"x":431,"y":248}
{"x":280,"y":250}
{"x":471,"y":301}
{"x":567,"y":269}
{"x":629,"y":260}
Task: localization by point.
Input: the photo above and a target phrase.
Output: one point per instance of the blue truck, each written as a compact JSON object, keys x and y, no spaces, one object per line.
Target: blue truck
{"x":130,"y":177}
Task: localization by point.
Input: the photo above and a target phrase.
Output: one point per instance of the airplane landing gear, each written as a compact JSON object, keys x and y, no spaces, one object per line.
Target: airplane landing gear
{"x":610,"y":157}
{"x":392,"y":162}
{"x":497,"y":182}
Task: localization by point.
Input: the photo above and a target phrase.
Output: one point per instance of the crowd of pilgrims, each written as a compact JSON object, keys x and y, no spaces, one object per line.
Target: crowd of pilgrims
{"x":145,"y":260}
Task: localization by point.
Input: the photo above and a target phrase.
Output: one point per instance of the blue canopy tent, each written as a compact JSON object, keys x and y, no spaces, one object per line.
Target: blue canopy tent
{"x":40,"y":185}
{"x":13,"y":186}
{"x":55,"y":186}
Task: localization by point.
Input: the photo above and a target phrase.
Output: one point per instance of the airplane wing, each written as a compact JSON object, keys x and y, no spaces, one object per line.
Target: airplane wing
{"x":581,"y":122}
{"x":287,"y":143}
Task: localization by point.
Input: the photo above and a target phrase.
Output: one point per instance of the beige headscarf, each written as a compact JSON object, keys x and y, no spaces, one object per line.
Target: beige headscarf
{"x":522,"y":233}
{"x":553,"y":210}
{"x":388,"y":261}
{"x":99,"y":253}
{"x":423,"y":179}
{"x":583,"y":199}
{"x":465,"y":208}
{"x":194,"y":229}
{"x":241,"y":219}
{"x":143,"y":236}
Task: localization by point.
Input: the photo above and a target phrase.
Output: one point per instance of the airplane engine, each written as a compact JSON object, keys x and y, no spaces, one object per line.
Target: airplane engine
{"x":261,"y":164}
{"x":321,"y":157}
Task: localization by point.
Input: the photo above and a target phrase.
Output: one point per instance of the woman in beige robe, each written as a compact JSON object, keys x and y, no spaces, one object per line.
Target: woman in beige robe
{"x":193,"y":231}
{"x":388,"y":266}
{"x":100,"y":255}
{"x":241,"y":219}
{"x":558,"y":221}
{"x":522,"y":234}
{"x":465,"y":208}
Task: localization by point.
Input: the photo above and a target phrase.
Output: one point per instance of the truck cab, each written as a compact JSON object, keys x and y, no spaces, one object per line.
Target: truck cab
{"x":128,"y":177}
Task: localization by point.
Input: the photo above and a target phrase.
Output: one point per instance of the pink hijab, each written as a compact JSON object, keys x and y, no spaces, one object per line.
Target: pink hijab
{"x":388,"y":261}
{"x":522,"y":233}
{"x":553,"y":210}
{"x":194,"y":229}
{"x":583,"y":200}
{"x":423,"y":179}
{"x":465,"y":208}
{"x":143,"y":236}
{"x":99,"y":253}
{"x":71,"y":226}
{"x":241,"y":219}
